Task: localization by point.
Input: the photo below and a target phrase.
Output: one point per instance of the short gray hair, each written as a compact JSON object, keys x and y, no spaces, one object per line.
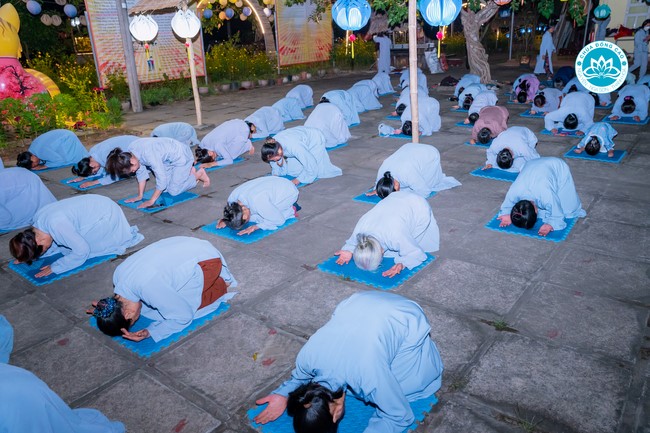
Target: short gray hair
{"x":368,"y":253}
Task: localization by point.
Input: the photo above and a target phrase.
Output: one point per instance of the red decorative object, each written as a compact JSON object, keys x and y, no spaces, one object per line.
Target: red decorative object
{"x":623,"y":32}
{"x":352,"y":37}
{"x":440,"y":35}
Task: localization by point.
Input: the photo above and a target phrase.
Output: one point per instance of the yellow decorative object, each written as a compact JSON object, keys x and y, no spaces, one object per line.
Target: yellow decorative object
{"x":223,"y":2}
{"x":222,"y":15}
{"x":50,"y":85}
{"x":10,"y":25}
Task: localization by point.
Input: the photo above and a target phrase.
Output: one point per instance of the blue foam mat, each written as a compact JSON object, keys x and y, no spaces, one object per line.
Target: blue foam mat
{"x":626,"y":121}
{"x":495,"y":173}
{"x":400,"y":136}
{"x":354,"y":124}
{"x":286,"y":176}
{"x":390,"y":117}
{"x":338,"y":146}
{"x":372,"y":278}
{"x":237,"y":160}
{"x":600,"y":157}
{"x":76,"y":185}
{"x":459,"y":110}
{"x":244,"y":239}
{"x":561,"y":133}
{"x":537,"y":115}
{"x":355,"y":420}
{"x":477,"y":144}
{"x":511,"y":102}
{"x":165,"y":201}
{"x":374,"y":199}
{"x":554,"y":236}
{"x":52,"y":168}
{"x":463,"y":125}
{"x":148,"y":347}
{"x":28,"y":271}
{"x":605,"y":107}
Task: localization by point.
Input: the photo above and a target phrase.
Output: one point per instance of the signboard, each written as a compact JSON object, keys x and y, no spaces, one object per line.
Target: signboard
{"x":301,"y":40}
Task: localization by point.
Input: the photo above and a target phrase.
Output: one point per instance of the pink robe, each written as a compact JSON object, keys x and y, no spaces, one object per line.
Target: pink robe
{"x":492,"y":117}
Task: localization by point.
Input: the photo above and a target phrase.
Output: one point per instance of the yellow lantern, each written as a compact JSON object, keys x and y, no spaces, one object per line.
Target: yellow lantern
{"x":223,"y":2}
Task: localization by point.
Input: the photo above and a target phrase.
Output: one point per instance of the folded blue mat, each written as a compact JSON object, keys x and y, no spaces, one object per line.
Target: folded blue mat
{"x":605,"y":107}
{"x":510,"y":101}
{"x":355,"y":420}
{"x":148,"y":347}
{"x":372,"y":278}
{"x":354,"y":124}
{"x":626,"y":121}
{"x":561,"y":133}
{"x":237,"y":160}
{"x":477,"y":144}
{"x":374,"y":199}
{"x":554,"y":236}
{"x":76,"y":185}
{"x":52,"y":168}
{"x":495,"y":173}
{"x":253,"y":140}
{"x":390,"y":117}
{"x":464,"y":125}
{"x":244,"y":239}
{"x":164,"y":201}
{"x":28,"y":271}
{"x":2,"y":232}
{"x":459,"y":110}
{"x":387,"y":93}
{"x":538,"y":114}
{"x":338,"y":146}
{"x":400,"y":136}
{"x":601,"y":157}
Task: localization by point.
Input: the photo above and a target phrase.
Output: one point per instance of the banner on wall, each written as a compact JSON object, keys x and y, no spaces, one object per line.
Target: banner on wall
{"x":167,"y":53}
{"x":301,"y":40}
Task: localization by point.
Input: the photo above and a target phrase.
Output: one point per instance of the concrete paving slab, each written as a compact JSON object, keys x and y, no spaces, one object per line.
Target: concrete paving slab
{"x":344,"y":216}
{"x":13,"y":286}
{"x":453,"y":414}
{"x":611,"y":237}
{"x":620,"y":211}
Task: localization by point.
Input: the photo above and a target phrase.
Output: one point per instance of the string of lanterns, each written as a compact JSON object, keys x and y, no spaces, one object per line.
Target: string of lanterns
{"x":70,"y":10}
{"x":228,"y":13}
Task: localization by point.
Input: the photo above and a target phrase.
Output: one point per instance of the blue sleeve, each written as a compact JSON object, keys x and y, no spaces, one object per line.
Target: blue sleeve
{"x":177,"y":313}
{"x":64,"y":233}
{"x":270,"y":217}
{"x":393,"y":413}
{"x":309,"y":164}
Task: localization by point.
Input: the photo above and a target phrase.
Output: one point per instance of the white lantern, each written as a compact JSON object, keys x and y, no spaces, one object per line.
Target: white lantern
{"x":56,"y":20}
{"x":239,"y":3}
{"x":186,"y":24}
{"x":143,"y":28}
{"x":267,"y":12}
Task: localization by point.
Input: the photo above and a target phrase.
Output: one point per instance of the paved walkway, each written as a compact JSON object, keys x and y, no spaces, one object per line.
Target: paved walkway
{"x":573,"y":357}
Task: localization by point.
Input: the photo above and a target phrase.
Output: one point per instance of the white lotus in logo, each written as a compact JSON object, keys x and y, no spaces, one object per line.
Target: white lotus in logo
{"x":601,"y":68}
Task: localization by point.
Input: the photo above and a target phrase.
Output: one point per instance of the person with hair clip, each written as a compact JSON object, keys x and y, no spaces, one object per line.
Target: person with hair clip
{"x":491,"y":122}
{"x":512,"y":149}
{"x":170,"y":160}
{"x":79,"y":228}
{"x":56,"y":148}
{"x":22,"y":194}
{"x":598,"y":139}
{"x":225,"y":143}
{"x":172,"y":282}
{"x":299,"y":152}
{"x":543,"y":189}
{"x":181,"y":131}
{"x":486,"y":98}
{"x":576,"y":113}
{"x":267,"y":121}
{"x":377,"y":347}
{"x":413,"y":167}
{"x":401,"y":226}
{"x":524,"y":88}
{"x":546,"y":100}
{"x":329,"y":119}
{"x":93,"y":165}
{"x":268,"y":201}
{"x":632,"y":102}
{"x":641,"y":37}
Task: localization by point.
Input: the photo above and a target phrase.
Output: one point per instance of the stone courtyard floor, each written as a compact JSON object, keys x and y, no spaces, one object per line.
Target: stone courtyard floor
{"x":573,"y":357}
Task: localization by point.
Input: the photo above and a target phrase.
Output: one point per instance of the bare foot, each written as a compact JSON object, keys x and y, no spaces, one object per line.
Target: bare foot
{"x":578,"y":149}
{"x":614,"y":117}
{"x":203,"y":177}
{"x":610,"y":153}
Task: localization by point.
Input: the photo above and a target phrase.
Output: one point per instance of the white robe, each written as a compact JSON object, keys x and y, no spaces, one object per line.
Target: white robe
{"x":289,"y":108}
{"x":552,"y":103}
{"x":641,"y":95}
{"x":382,"y":80}
{"x":579,"y":103}
{"x":22,"y":194}
{"x":521,"y":142}
{"x":417,"y":169}
{"x":472,"y":89}
{"x":428,"y":115}
{"x":404,"y":225}
{"x":546,"y":48}
{"x":181,"y":131}
{"x":345,"y":102}
{"x":270,"y":200}
{"x":302,"y":93}
{"x":605,"y":133}
{"x":365,"y":98}
{"x":383,"y":60}
{"x":267,"y":120}
{"x":229,"y":140}
{"x":405,"y":96}
{"x":466,"y":80}
{"x":330,"y":120}
{"x":485,"y":98}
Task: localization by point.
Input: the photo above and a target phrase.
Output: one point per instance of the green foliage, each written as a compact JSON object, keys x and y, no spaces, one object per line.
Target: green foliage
{"x":364,"y":53}
{"x":454,"y":44}
{"x":157,"y":96}
{"x":229,"y":62}
{"x":117,"y":85}
{"x":43,"y":63}
{"x":396,"y":10}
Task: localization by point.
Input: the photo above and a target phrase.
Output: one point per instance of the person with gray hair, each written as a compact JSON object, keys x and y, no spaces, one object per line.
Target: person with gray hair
{"x":401,"y":227}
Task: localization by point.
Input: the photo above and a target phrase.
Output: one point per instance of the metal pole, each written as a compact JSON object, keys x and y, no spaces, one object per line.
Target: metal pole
{"x":413,"y":68}
{"x":512,"y":36}
{"x":129,"y":56}
{"x":584,"y":40}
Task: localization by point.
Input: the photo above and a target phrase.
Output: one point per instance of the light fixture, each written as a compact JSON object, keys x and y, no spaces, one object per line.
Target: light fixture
{"x":186,"y":24}
{"x":351,"y":14}
{"x":439,"y":12}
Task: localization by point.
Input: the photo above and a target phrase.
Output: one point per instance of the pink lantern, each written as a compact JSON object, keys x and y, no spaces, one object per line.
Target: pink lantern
{"x":440,"y":35}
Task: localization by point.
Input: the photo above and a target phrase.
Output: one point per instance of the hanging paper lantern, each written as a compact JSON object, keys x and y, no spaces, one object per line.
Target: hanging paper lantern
{"x":34,"y":7}
{"x":60,"y":2}
{"x":223,"y":2}
{"x":222,"y":16}
{"x":70,"y":10}
{"x":229,"y":13}
{"x":46,"y":19}
{"x":502,"y":2}
{"x":602,"y":12}
{"x":56,"y":20}
{"x":242,"y":17}
{"x":267,"y":12}
{"x":143,"y":28}
{"x":266,"y":2}
{"x":239,"y":3}
{"x":247,"y":11}
{"x":351,"y":14}
{"x":186,"y":24}
{"x":207,"y":14}
{"x":439,"y":12}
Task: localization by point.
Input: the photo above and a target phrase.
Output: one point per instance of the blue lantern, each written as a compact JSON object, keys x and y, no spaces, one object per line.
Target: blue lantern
{"x":602,"y":12}
{"x":207,"y":14}
{"x":351,"y":14}
{"x":34,"y":7}
{"x":247,"y":11}
{"x":70,"y":10}
{"x":229,"y":13}
{"x":439,"y":12}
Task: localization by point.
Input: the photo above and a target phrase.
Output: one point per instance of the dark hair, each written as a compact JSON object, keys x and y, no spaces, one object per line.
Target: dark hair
{"x":573,"y":88}
{"x":596,"y":98}
{"x":473,"y":117}
{"x":110,"y":318}
{"x":460,"y":90}
{"x":202,"y":156}
{"x":559,"y":82}
{"x":628,"y":106}
{"x":484,"y":135}
{"x":82,"y":168}
{"x":251,"y":125}
{"x":270,"y":148}
{"x":400,"y":109}
{"x":24,"y":160}
{"x":118,"y":163}
{"x":407,"y":128}
{"x":523,"y":214}
{"x":539,"y":100}
{"x":571,"y":121}
{"x":522,"y":96}
{"x":593,"y":146}
{"x":505,"y":159}
{"x":385,"y":185}
{"x":323,"y":100}
{"x":309,"y":405}
{"x":233,"y":216}
{"x":467,"y":102}
{"x":23,"y":247}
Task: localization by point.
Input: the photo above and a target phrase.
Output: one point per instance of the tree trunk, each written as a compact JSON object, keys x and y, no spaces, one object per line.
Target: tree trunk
{"x":476,"y":55}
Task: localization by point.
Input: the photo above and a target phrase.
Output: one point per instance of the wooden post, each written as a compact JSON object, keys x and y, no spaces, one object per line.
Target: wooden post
{"x":413,"y":70}
{"x":129,"y":56}
{"x":195,"y":87}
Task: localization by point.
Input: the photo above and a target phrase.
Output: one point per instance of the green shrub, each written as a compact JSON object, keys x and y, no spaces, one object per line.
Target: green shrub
{"x":157,"y":96}
{"x":117,"y":85}
{"x":43,"y":63}
{"x":454,"y":45}
{"x":228,"y":61}
{"x":364,"y":54}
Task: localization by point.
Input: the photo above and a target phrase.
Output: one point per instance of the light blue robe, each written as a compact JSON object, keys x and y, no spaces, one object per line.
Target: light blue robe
{"x":181,"y":131}
{"x":270,"y":200}
{"x":364,"y":97}
{"x":306,"y":156}
{"x":604,"y":98}
{"x":486,"y":98}
{"x":329,"y":119}
{"x":601,"y":32}
{"x":428,"y":115}
{"x":229,"y":140}
{"x":404,"y":225}
{"x":579,"y":103}
{"x":289,"y":108}
{"x":466,"y":80}
{"x":369,"y":83}
{"x":417,"y":169}
{"x":644,"y":80}
{"x":640,"y":52}
{"x":605,"y":133}
{"x":1,"y":164}
{"x":22,"y":194}
{"x":552,"y":103}
{"x":100,"y":151}
{"x":83,"y":227}
{"x":166,"y":277}
{"x":547,"y":47}
{"x":548,"y":183}
{"x":170,"y":160}
{"x":404,"y":79}
{"x":345,"y":102}
{"x":472,"y":89}
{"x":389,"y":360}
{"x":6,"y":340}
{"x":405,"y":97}
{"x":304,"y":94}
{"x":267,"y":120}
{"x":382,"y":80}
{"x":58,"y":148}
{"x":641,"y":95}
{"x":383,"y":59}
{"x":521,"y":142}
